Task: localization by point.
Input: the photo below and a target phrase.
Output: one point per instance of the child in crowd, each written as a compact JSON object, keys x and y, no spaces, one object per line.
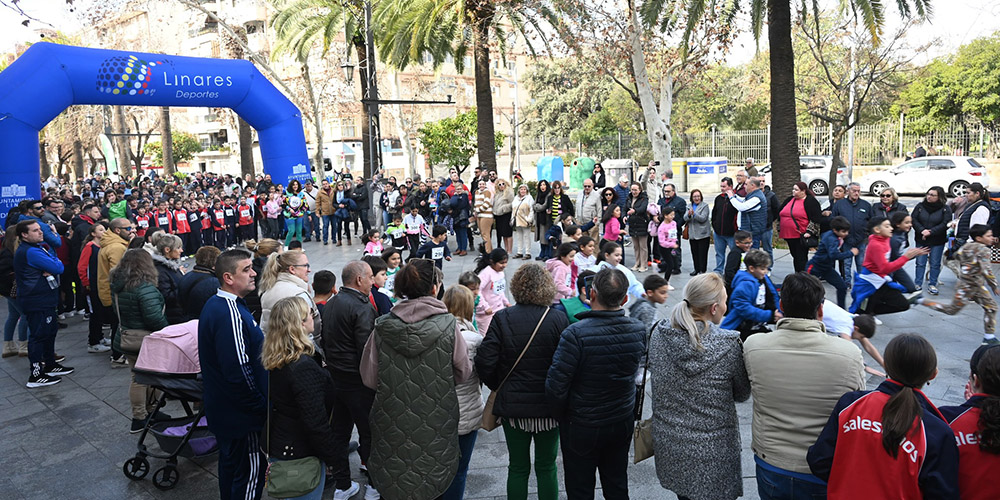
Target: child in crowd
{"x":324,"y":288}
{"x":666,"y":235}
{"x":378,"y":299}
{"x":754,"y":302}
{"x":142,"y":221}
{"x":562,"y":272}
{"x":471,"y":281}
{"x":610,"y":256}
{"x":244,"y":221}
{"x":229,"y":208}
{"x":976,"y":425}
{"x":397,"y":232}
{"x":584,"y":256}
{"x":436,"y":248}
{"x":656,"y":293}
{"x":374,"y":245}
{"x":874,"y":290}
{"x":900,"y":241}
{"x":182,"y":227}
{"x":891,"y":442}
{"x":734,"y":261}
{"x":653,"y":243}
{"x":493,"y":284}
{"x":829,"y":253}
{"x":392,"y":257}
{"x":414,"y":223}
{"x":193,"y":242}
{"x":555,"y":236}
{"x":860,"y":327}
{"x":295,"y":245}
{"x":612,"y":224}
{"x":581,"y":301}
{"x":975,"y":281}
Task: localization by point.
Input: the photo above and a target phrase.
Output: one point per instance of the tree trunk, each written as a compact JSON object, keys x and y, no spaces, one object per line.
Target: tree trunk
{"x":784,"y":132}
{"x":77,"y":160}
{"x":317,"y":122}
{"x":657,"y":128}
{"x":121,"y":141}
{"x":43,"y":160}
{"x":246,"y":148}
{"x":485,"y":136}
{"x":166,"y":143}
{"x":838,"y":163}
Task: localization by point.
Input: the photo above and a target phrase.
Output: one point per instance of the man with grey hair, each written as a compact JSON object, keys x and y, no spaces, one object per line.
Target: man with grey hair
{"x":622,"y":190}
{"x":348,"y":321}
{"x":857,"y":212}
{"x":589,"y":207}
{"x":753,"y":210}
{"x":591,"y":389}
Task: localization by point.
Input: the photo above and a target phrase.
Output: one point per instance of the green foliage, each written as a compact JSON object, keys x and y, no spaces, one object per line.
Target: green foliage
{"x":185,"y":146}
{"x":565,"y":94}
{"x":298,"y":24}
{"x":452,"y":141}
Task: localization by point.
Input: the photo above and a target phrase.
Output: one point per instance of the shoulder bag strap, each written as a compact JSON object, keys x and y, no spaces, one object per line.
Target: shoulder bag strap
{"x":539,"y":325}
{"x":791,"y":212}
{"x":267,"y":450}
{"x":645,"y":370}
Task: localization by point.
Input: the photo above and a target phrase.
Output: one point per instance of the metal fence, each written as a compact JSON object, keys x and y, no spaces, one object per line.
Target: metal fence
{"x":880,"y":143}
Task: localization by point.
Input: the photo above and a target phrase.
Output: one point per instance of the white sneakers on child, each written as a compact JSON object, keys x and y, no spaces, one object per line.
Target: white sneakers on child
{"x":348,"y":493}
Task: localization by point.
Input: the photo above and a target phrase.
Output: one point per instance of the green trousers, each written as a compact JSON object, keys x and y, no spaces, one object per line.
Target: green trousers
{"x":519,"y":450}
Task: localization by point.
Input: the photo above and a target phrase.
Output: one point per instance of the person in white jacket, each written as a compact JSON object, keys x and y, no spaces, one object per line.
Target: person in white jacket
{"x":589,"y":203}
{"x":286,"y":275}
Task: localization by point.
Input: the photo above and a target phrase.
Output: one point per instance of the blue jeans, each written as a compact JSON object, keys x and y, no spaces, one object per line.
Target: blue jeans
{"x":386,"y":218}
{"x":315,"y":494}
{"x":462,"y":238}
{"x":311,"y":222}
{"x":772,"y":485}
{"x":294,"y":226}
{"x":833,"y":277}
{"x":457,"y":489}
{"x":329,"y":221}
{"x":765,"y":243}
{"x":858,"y":259}
{"x":935,"y":258}
{"x":13,"y":315}
{"x":723,"y":244}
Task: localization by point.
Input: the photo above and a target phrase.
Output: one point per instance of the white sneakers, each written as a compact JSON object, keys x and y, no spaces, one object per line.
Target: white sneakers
{"x":99,"y":347}
{"x":371,"y":493}
{"x":348,"y":493}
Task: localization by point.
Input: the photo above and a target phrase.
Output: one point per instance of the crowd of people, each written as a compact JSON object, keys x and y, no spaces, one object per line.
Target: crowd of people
{"x":294,"y":364}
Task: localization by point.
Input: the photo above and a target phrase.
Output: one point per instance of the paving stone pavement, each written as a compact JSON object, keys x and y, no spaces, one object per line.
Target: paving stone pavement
{"x":70,"y":440}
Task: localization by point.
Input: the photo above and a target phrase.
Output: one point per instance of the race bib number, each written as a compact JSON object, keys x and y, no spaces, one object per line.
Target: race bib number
{"x":499,"y":286}
{"x":163,"y":221}
{"x":295,"y":202}
{"x":672,"y":234}
{"x":229,"y":212}
{"x":569,"y":281}
{"x":390,"y":283}
{"x":143,"y":224}
{"x":761,"y":296}
{"x":437,"y":253}
{"x":398,"y":233}
{"x":244,"y":213}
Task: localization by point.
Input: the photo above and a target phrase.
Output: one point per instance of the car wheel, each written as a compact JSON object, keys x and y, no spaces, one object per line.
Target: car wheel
{"x":877,"y":187}
{"x":958,"y":188}
{"x":818,"y":187}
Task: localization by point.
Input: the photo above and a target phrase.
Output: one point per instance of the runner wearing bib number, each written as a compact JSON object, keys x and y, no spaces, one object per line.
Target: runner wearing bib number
{"x":493,"y":285}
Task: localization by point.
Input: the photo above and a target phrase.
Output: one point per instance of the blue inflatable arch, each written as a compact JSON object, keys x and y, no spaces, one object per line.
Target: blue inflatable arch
{"x":48,"y":78}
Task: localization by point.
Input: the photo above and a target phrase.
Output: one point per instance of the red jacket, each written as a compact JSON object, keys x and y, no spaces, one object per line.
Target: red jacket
{"x":206,"y":220}
{"x":849,"y":455}
{"x":976,"y":468}
{"x":83,"y":266}
{"x":181,"y":221}
{"x":164,"y":220}
{"x":877,"y":257}
{"x":245,"y":214}
{"x":218,"y":218}
{"x":142,"y":224}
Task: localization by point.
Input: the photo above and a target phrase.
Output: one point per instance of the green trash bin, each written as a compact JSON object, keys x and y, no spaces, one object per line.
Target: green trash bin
{"x":581,"y":170}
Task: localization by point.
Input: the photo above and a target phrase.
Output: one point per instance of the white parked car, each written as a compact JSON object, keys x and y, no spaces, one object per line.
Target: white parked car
{"x":916,"y":176}
{"x":815,"y":172}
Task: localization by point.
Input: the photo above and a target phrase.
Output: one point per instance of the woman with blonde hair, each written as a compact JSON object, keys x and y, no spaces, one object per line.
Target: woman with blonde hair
{"x":285,"y":275}
{"x":483,"y":208}
{"x":461,"y":303}
{"x":524,"y":221}
{"x":503,"y":200}
{"x":299,"y":390}
{"x":261,"y":251}
{"x":698,"y":377}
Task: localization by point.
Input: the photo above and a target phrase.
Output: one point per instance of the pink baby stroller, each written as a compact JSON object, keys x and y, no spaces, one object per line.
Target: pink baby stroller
{"x":168,"y":362}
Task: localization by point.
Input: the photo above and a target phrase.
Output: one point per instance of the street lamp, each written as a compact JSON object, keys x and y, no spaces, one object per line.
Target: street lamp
{"x":348,"y":68}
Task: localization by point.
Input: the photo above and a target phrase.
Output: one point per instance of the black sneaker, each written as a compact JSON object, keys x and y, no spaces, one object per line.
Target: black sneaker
{"x":138,"y":424}
{"x":60,"y":358}
{"x":38,"y":378}
{"x":58,"y":370}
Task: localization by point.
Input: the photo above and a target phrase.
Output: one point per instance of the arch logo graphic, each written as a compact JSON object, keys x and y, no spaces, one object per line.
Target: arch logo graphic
{"x":130,"y":75}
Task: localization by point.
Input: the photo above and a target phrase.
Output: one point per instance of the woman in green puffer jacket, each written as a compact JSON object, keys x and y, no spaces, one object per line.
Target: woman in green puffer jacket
{"x":139,"y":305}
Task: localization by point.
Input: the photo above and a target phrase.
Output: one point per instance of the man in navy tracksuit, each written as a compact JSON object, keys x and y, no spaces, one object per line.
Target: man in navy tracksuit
{"x":37,"y":270}
{"x":229,"y":345}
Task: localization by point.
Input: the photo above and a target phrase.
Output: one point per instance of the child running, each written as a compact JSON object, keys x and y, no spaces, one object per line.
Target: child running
{"x":666,"y":235}
{"x":562,"y":272}
{"x":493,"y":284}
{"x":891,"y":442}
{"x":874,"y":290}
{"x":975,"y":274}
{"x":392,"y":257}
{"x":829,"y":252}
{"x":374,"y":245}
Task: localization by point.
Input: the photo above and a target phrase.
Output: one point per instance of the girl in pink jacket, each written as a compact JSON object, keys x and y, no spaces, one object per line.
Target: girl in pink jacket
{"x":492,"y":284}
{"x":562,"y":272}
{"x":666,"y":235}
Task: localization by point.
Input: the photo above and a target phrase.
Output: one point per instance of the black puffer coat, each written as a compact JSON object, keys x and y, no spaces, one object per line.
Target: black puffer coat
{"x":933,"y":217}
{"x":592,"y":378}
{"x":523,"y":395}
{"x":301,"y":401}
{"x":168,"y":283}
{"x":638,"y":222}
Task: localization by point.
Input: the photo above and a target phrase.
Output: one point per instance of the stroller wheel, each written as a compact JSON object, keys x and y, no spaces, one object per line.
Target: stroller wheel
{"x":136,"y":468}
{"x":166,"y":477}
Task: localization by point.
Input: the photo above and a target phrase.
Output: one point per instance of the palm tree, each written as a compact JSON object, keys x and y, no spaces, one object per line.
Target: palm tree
{"x":411,"y":29}
{"x":784,"y":133}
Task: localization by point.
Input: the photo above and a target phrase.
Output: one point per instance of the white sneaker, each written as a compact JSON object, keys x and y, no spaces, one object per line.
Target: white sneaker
{"x":106,"y":341}
{"x":98,"y":348}
{"x":81,"y":312}
{"x":348,"y":493}
{"x":670,"y":288}
{"x":62,"y":316}
{"x":371,"y":493}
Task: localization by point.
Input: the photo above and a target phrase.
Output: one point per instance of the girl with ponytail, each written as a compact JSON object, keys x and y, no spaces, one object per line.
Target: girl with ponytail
{"x":698,"y":377}
{"x":492,"y":284}
{"x":976,"y":424}
{"x":891,"y":442}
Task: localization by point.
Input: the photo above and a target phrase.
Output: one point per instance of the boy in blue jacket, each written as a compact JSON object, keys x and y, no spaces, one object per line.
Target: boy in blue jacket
{"x":829,"y":253}
{"x":754,"y":301}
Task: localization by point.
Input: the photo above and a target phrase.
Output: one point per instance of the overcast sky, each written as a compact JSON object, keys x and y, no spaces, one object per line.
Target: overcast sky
{"x":953,"y":23}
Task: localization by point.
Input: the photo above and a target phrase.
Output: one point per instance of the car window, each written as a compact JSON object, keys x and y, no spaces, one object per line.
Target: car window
{"x":975,"y":164}
{"x":812,"y":163}
{"x":941,"y":164}
{"x":913,"y":165}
